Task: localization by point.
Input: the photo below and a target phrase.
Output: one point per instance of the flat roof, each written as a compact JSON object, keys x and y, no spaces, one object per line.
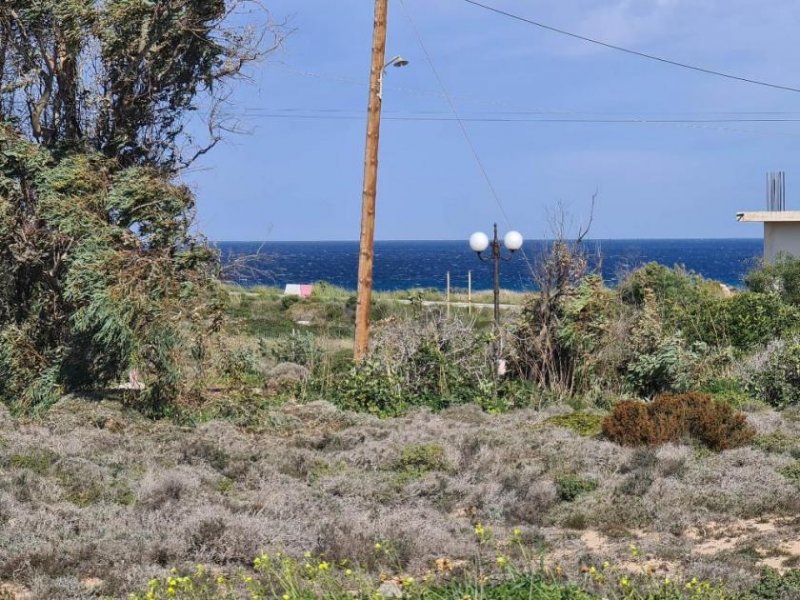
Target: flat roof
{"x":769,"y":216}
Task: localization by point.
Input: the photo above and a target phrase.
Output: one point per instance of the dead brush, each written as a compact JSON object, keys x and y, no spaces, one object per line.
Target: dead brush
{"x":674,"y":417}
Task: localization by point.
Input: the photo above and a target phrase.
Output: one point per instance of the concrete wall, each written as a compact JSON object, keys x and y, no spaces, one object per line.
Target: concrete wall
{"x":781,"y":238}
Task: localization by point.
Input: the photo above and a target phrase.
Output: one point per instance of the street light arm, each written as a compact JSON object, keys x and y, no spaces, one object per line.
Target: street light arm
{"x":397,"y":61}
{"x":509,"y":257}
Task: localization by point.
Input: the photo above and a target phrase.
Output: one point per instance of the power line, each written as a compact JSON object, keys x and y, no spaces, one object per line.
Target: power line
{"x":630,"y":51}
{"x":329,"y":116}
{"x":463,"y":128}
{"x":763,"y":115}
{"x":456,"y":117}
{"x":518,"y":107}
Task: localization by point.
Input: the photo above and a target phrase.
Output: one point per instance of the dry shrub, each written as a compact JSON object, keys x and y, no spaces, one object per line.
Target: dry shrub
{"x":502,"y":472}
{"x":673,"y":417}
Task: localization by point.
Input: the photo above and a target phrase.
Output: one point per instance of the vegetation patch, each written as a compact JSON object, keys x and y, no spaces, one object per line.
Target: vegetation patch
{"x":792,"y":472}
{"x":280,"y":576}
{"x":776,"y":586}
{"x":672,"y":418}
{"x":777,"y":442}
{"x":570,"y":487}
{"x":37,"y":460}
{"x":775,"y":374}
{"x":584,"y":424}
{"x":418,"y":459}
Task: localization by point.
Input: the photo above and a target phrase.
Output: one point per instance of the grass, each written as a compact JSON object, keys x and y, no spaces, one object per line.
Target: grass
{"x":37,"y":460}
{"x":266,"y":312}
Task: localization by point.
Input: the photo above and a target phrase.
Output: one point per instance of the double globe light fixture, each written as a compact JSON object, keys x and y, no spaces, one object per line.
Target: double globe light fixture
{"x":480,"y":242}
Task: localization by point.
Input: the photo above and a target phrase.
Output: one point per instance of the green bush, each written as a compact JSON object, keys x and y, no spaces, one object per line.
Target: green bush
{"x":776,"y":586}
{"x":421,"y":458}
{"x":753,"y":319}
{"x":497,"y":397}
{"x":569,"y":487}
{"x":584,"y":424}
{"x":780,"y":278}
{"x":792,"y":472}
{"x":241,"y":366}
{"x":288,"y":301}
{"x":561,"y":341}
{"x":659,"y":362}
{"x":370,"y":387}
{"x":670,"y":286}
{"x":745,"y":321}
{"x":437,"y":361}
{"x":777,"y":442}
{"x":299,"y":347}
{"x":666,"y":368}
{"x":728,"y":391}
{"x":695,"y":308}
{"x":775,"y":378}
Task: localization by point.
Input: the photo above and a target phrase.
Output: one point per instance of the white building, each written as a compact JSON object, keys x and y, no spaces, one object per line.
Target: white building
{"x":781,"y":231}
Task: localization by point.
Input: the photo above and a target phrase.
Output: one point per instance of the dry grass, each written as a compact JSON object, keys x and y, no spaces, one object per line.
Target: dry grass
{"x":91,"y":492}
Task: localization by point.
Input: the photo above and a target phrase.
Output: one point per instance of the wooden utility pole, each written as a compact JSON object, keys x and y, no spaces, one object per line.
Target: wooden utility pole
{"x":366,"y":253}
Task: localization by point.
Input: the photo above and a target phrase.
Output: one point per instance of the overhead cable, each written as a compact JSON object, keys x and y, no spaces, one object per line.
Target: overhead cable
{"x":653,"y":57}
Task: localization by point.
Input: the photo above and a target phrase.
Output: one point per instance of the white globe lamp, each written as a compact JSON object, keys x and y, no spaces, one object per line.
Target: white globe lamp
{"x":478,"y":241}
{"x":513,"y":240}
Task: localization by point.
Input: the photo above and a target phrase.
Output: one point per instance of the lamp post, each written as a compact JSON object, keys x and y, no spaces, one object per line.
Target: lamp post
{"x":479,"y":242}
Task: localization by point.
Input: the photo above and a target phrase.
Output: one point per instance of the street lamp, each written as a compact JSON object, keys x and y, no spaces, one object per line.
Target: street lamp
{"x":397,"y":61}
{"x":479,"y":242}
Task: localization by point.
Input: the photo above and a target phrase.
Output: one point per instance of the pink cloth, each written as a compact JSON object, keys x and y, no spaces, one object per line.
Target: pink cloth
{"x":305,"y":291}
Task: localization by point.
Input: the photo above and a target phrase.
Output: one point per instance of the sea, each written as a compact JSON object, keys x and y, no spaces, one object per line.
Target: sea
{"x":403,"y":265}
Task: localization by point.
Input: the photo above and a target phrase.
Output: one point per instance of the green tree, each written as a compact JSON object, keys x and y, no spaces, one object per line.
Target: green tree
{"x":99,"y":269}
{"x":122,"y":76}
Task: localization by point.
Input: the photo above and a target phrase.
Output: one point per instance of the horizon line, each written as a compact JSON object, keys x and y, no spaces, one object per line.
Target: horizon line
{"x":466,"y":240}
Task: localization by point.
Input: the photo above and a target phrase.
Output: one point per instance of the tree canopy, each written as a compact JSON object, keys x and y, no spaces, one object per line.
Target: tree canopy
{"x":100,"y":271}
{"x":122,"y":76}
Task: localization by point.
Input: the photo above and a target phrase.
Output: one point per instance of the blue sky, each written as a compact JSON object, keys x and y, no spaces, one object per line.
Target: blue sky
{"x":291,"y":178}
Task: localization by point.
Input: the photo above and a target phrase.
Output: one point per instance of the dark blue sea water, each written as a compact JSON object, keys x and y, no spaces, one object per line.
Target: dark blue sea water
{"x":408,"y":264}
